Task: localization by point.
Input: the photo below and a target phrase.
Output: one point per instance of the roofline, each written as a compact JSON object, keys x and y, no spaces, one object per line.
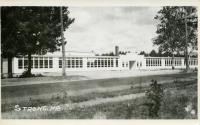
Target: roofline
{"x":60,"y":56}
{"x":169,"y":57}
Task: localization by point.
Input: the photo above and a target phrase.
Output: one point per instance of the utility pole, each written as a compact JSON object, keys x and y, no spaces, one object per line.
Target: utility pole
{"x":63,"y":45}
{"x":186,"y":42}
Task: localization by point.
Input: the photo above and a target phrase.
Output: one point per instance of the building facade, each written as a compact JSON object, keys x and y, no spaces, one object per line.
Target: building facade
{"x":52,"y":63}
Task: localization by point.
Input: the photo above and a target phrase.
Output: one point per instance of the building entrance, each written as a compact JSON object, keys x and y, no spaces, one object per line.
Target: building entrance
{"x":131,"y":65}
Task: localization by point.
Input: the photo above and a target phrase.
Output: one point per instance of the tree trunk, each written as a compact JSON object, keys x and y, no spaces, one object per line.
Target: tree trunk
{"x":10,"y":73}
{"x":173,"y":65}
{"x":186,"y":46}
{"x":186,"y":60}
{"x":29,"y":64}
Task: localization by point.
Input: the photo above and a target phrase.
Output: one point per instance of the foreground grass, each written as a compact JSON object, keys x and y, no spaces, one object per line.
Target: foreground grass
{"x":174,"y":105}
{"x":178,"y":96}
{"x":63,"y":98}
{"x":48,"y":88}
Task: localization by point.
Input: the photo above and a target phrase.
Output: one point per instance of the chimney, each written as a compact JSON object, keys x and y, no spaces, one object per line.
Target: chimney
{"x":116,"y":50}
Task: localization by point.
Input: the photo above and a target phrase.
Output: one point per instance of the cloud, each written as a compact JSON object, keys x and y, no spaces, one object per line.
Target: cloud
{"x":101,"y":28}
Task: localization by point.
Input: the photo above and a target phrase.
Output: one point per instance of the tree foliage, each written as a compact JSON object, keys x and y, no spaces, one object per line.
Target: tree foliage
{"x":39,"y":29}
{"x":32,"y":30}
{"x":171,"y":28}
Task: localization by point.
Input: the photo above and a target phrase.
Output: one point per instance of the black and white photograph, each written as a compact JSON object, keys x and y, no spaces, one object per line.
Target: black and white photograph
{"x":99,"y":62}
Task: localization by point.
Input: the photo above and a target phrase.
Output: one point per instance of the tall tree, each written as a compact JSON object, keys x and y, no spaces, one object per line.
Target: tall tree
{"x":37,"y":29}
{"x":9,"y":29}
{"x":171,"y":30}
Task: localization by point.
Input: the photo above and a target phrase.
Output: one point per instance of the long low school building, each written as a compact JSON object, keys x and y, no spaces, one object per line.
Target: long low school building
{"x":52,"y":63}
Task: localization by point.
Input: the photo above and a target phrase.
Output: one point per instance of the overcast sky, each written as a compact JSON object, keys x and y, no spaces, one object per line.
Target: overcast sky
{"x":101,"y":28}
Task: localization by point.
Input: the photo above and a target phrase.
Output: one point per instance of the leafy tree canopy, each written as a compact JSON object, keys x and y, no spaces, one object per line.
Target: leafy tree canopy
{"x":171,"y":28}
{"x":32,"y":29}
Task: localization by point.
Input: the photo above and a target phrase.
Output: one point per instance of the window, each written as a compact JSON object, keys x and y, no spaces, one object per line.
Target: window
{"x":105,"y":62}
{"x":81,"y":63}
{"x":60,"y":63}
{"x":25,"y":63}
{"x":36,"y":62}
{"x":149,"y":62}
{"x":31,"y":62}
{"x":116,"y":62}
{"x":109,"y":63}
{"x":156,"y":62}
{"x":92,"y":64}
{"x":88,"y":64}
{"x":73,"y":63}
{"x":160,"y":62}
{"x":20,"y":63}
{"x":77,"y":63}
{"x":123,"y":64}
{"x":45,"y":62}
{"x":102,"y":63}
{"x":50,"y":63}
{"x":146,"y":62}
{"x":112,"y":63}
{"x":98,"y":63}
{"x":41,"y":62}
{"x":68,"y":63}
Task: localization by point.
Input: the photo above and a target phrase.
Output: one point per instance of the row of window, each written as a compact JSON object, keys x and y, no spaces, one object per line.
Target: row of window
{"x":139,"y":64}
{"x":123,"y":64}
{"x":78,"y":62}
{"x":168,"y":62}
{"x":177,"y":62}
{"x":101,"y":62}
{"x":193,"y":62}
{"x":36,"y":62}
{"x":153,"y":62}
{"x":47,"y":62}
{"x":72,"y":63}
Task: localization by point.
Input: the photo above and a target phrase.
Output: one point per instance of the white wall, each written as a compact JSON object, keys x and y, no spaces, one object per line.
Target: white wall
{"x":122,"y":58}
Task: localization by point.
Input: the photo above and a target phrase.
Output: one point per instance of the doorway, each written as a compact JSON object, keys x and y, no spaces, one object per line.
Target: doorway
{"x":131,"y":65}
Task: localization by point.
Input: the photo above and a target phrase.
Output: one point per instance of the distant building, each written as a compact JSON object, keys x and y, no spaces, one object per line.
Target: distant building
{"x":84,"y":61}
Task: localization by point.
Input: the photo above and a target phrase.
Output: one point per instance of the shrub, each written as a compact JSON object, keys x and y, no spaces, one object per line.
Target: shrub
{"x":25,"y":74}
{"x":2,"y":76}
{"x":154,"y":97}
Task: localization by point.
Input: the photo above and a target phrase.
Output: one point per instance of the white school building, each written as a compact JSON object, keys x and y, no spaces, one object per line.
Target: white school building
{"x":79,"y":61}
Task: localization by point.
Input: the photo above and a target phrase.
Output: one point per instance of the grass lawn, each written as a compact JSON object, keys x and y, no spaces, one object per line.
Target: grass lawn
{"x":39,"y":89}
{"x":173,"y":107}
{"x":178,"y":96}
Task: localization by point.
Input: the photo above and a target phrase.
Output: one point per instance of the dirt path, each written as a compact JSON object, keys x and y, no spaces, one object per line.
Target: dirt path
{"x":101,"y":101}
